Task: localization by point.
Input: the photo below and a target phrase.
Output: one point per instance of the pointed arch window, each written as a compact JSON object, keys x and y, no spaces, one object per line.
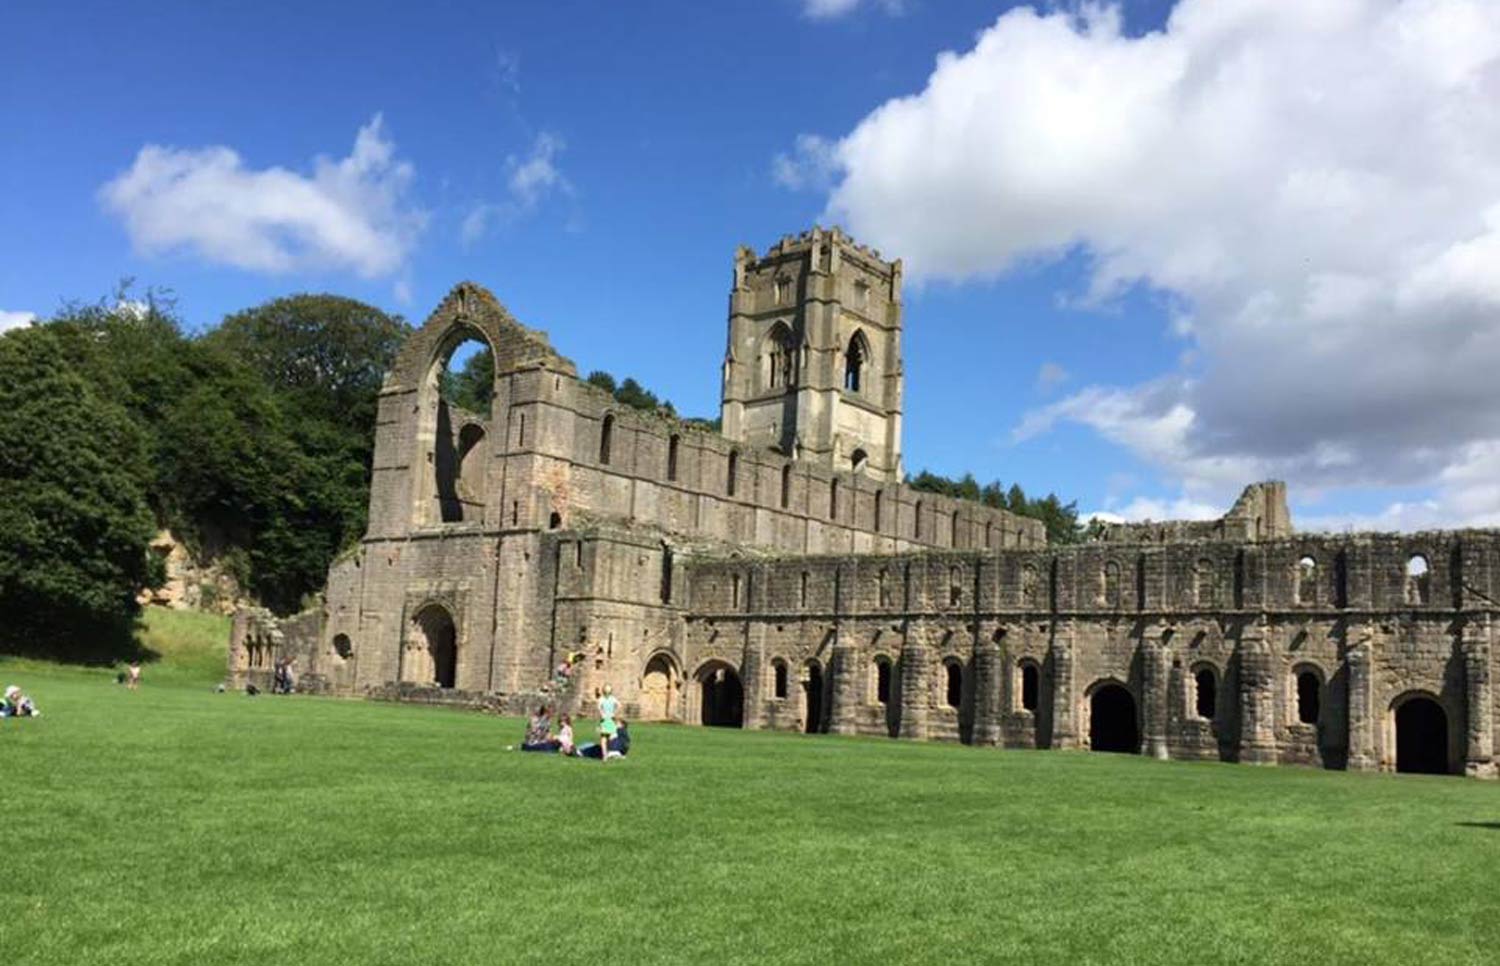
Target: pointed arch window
{"x":855,"y":358}
{"x":781,"y":358}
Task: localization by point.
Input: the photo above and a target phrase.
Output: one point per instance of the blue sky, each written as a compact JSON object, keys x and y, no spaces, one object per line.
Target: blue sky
{"x":595,"y":164}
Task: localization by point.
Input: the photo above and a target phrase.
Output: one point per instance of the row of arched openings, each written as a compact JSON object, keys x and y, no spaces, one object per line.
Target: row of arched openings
{"x":783,"y":360}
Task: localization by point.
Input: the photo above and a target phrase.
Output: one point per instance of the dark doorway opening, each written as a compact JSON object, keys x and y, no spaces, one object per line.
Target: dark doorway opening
{"x":1421,"y":737}
{"x":812,"y":689}
{"x":1112,"y":721}
{"x":723,"y":698}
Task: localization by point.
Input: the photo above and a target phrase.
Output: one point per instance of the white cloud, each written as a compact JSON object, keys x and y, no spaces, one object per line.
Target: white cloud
{"x":1312,"y":184}
{"x":829,"y":9}
{"x":15,"y":320}
{"x":529,"y":182}
{"x":812,"y":164}
{"x":351,"y":213}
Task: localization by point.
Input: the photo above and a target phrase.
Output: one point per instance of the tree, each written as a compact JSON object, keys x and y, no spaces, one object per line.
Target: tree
{"x":1061,"y":519}
{"x":75,"y":527}
{"x":327,"y":352}
{"x":472,"y":387}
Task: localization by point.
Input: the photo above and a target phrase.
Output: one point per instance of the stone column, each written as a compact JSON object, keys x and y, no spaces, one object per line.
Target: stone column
{"x":1155,"y":668}
{"x":1060,"y":656}
{"x":916,"y":697}
{"x":1361,"y":718}
{"x":1257,"y":697}
{"x":753,"y":675}
{"x":844,"y":690}
{"x":1479,"y":749}
{"x":986,"y":693}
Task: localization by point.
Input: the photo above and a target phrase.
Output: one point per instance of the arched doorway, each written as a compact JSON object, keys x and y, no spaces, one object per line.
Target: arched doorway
{"x":432,"y":656}
{"x":659,"y":689}
{"x":722,"y":698}
{"x":812,"y":693}
{"x":1113,"y":725}
{"x":1421,"y":737}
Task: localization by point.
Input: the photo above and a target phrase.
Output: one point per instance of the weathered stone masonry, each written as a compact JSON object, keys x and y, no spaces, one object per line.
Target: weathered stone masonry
{"x":780,"y":576}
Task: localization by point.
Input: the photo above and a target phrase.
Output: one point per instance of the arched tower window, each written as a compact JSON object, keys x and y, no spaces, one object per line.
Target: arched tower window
{"x":781,"y":358}
{"x":606,"y":439}
{"x":1417,"y":580}
{"x":855,"y":358}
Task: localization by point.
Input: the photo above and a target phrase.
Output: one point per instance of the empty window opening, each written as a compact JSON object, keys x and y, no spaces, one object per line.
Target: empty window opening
{"x":882,"y":680}
{"x":578,"y":554}
{"x":515,"y":512}
{"x":1307,"y":580}
{"x":666,"y":575}
{"x":1207,"y":696}
{"x":786,"y":486}
{"x":1421,"y":737}
{"x":606,"y":439}
{"x":1309,"y":697}
{"x":833,"y":499}
{"x":858,"y":460}
{"x":1030,"y":686}
{"x":778,"y":674}
{"x":954,"y":692}
{"x":1418,"y":580}
{"x":1113,"y":724}
{"x":554,"y":521}
{"x":878,"y":508}
{"x":781,"y":358}
{"x":431,"y":657}
{"x":342,"y":646}
{"x":521,"y":432}
{"x":916,"y":522}
{"x":953,"y":530}
{"x":803,"y":595}
{"x":732,"y":472}
{"x":855,"y":357}
{"x":672,"y":445}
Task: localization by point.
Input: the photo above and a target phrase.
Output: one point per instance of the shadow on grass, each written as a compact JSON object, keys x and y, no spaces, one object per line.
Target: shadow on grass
{"x":1492,"y":826}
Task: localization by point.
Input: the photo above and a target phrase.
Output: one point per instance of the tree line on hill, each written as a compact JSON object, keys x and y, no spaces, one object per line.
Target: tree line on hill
{"x":252,"y":441}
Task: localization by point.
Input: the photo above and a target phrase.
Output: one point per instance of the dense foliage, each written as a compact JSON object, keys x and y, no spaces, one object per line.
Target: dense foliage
{"x":630,"y":393}
{"x":1061,"y":519}
{"x":74,"y":520}
{"x":252,"y":442}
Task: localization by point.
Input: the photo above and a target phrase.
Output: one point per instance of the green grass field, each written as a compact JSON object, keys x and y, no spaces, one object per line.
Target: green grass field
{"x":176,"y":825}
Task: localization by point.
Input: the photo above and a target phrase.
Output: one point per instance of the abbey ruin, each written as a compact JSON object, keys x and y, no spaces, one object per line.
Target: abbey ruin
{"x":781,"y":575}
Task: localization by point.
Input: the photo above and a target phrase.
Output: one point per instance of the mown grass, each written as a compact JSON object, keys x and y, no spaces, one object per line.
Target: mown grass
{"x":176,"y":825}
{"x":182,"y":647}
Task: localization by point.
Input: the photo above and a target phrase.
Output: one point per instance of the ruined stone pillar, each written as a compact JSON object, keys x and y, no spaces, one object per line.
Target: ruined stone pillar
{"x":1155,"y":669}
{"x":1479,"y":749}
{"x":986,"y":694}
{"x":1257,"y":696}
{"x":916,"y":696}
{"x":753,"y":675}
{"x":1361,"y":719}
{"x":843,"y":665}
{"x":1060,"y":657}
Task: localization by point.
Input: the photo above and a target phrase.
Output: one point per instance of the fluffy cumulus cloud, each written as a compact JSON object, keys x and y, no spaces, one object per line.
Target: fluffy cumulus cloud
{"x":1313,"y":185}
{"x":530,"y":180}
{"x":15,"y":320}
{"x":351,"y":213}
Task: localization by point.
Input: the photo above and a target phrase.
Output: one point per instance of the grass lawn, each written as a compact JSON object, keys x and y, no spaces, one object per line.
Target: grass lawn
{"x":176,"y":825}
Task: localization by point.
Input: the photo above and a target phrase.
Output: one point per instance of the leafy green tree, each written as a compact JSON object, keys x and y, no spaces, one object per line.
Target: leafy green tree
{"x":1061,"y":519}
{"x":75,"y":526}
{"x":472,"y":387}
{"x":327,"y":352}
{"x":602,"y":380}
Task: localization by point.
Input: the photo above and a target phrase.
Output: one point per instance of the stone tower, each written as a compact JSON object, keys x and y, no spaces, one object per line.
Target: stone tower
{"x":813,"y":365}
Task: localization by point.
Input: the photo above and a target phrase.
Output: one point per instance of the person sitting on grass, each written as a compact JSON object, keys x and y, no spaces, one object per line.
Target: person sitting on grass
{"x":539,"y":732}
{"x":618,"y":748}
{"x":133,"y":676}
{"x":17,"y":705}
{"x":565,"y":736}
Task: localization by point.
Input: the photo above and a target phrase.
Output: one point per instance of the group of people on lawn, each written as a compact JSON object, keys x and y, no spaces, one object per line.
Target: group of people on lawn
{"x":614,"y":732}
{"x":17,"y":705}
